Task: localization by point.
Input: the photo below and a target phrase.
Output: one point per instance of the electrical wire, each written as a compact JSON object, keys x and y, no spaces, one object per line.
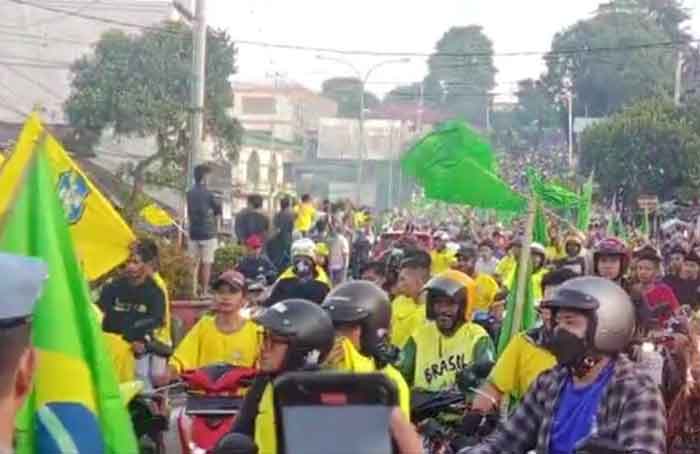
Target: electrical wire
{"x":551,"y":53}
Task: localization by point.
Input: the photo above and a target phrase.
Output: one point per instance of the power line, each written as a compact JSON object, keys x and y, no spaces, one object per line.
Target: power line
{"x":34,"y":82}
{"x":552,"y":53}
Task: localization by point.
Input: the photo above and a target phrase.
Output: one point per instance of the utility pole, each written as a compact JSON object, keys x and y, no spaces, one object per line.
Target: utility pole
{"x":570,"y":97}
{"x":199,"y":54}
{"x":679,"y":79}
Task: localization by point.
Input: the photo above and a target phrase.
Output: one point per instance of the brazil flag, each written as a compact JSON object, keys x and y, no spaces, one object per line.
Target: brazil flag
{"x":75,"y":406}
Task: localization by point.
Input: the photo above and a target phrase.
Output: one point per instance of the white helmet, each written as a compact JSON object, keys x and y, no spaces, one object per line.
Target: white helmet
{"x":304,"y":247}
{"x":537,"y":248}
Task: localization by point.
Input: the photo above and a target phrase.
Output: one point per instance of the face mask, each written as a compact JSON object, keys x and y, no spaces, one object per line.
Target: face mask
{"x":302,"y":269}
{"x":569,"y":349}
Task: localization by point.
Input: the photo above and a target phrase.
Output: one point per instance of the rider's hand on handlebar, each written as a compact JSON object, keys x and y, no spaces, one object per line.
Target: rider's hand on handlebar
{"x":404,"y":434}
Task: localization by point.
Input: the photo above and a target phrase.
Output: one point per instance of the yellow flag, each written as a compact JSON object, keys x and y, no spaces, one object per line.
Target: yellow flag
{"x":156,"y":216}
{"x":100,"y":235}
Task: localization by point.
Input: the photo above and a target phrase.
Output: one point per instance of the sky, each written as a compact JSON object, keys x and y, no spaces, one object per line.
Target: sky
{"x":391,"y":26}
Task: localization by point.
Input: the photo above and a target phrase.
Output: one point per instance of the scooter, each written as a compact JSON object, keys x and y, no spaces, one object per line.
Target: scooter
{"x":148,"y":407}
{"x":214,"y":398}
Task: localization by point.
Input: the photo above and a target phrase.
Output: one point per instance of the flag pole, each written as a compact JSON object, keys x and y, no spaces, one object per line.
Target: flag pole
{"x":523,"y":267}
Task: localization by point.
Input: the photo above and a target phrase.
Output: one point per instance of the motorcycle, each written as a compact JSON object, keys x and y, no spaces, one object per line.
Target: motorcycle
{"x":214,"y":398}
{"x":444,"y":419}
{"x":148,"y":406}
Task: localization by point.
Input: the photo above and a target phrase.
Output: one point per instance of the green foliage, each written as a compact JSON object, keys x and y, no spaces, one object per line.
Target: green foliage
{"x":606,"y":80}
{"x":139,"y":85}
{"x":346,"y":92}
{"x":176,"y":269}
{"x":461,"y":84}
{"x":227,"y":257}
{"x":649,"y":148}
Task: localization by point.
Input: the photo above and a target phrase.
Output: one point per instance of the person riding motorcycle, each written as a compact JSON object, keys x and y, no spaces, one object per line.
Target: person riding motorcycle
{"x":361,"y":313}
{"x":610,"y":260}
{"x":297,"y":335}
{"x":226,"y":337}
{"x":595,"y":390}
{"x":525,"y":357}
{"x":575,"y":258}
{"x":130,"y":301}
{"x":304,"y":280}
{"x":438,"y":350}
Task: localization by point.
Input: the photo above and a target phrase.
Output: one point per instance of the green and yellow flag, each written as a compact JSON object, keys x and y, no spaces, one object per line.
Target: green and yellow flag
{"x":75,"y":405}
{"x":100,"y":235}
{"x":529,"y":313}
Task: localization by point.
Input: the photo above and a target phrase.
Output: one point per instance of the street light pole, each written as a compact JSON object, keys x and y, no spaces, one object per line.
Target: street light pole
{"x":363,"y":83}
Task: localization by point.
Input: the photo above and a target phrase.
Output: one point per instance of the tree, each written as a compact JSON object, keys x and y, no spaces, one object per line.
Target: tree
{"x":652,"y":147}
{"x":404,"y":94}
{"x":604,"y":81}
{"x":139,"y":85}
{"x":535,"y":110}
{"x":461,"y":73}
{"x":346,"y":92}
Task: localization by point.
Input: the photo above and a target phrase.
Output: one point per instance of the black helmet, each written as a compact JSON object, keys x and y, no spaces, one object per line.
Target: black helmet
{"x":453,"y":284}
{"x":361,"y":303}
{"x":308,"y":328}
{"x":608,"y":307}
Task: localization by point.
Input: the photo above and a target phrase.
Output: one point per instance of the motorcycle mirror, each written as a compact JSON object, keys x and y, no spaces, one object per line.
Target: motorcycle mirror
{"x":235,"y":443}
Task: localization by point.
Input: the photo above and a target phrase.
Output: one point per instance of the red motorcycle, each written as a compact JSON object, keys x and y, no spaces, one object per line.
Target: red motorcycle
{"x":214,"y":397}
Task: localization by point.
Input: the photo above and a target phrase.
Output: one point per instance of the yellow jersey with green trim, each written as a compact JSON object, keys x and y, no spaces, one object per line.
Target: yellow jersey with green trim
{"x":439,"y":358}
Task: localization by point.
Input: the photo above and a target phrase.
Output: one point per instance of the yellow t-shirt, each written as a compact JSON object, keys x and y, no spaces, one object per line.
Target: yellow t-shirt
{"x":441,"y":261}
{"x":265,"y":426}
{"x":506,"y":267}
{"x":519,"y":365}
{"x":536,"y":279}
{"x":353,"y":361}
{"x":486,"y":290}
{"x":205,"y":344}
{"x":406,"y":316}
{"x":305,"y":217}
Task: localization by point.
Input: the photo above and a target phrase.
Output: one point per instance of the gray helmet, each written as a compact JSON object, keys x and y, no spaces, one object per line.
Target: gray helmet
{"x":610,"y":307}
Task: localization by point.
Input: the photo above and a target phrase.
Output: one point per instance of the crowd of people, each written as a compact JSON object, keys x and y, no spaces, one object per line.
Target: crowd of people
{"x":610,"y":357}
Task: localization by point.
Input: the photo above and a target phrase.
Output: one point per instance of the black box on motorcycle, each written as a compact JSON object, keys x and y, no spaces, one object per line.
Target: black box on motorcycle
{"x":321,"y":413}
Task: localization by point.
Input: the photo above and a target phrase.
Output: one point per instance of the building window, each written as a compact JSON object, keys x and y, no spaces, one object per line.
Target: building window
{"x":259,"y":105}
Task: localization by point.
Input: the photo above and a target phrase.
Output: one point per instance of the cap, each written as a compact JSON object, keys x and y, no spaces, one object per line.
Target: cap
{"x":254,"y":242}
{"x":232,"y":278}
{"x":21,"y":280}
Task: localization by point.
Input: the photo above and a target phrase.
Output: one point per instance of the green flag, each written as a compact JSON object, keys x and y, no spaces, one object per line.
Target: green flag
{"x":75,"y":405}
{"x":551,"y":194}
{"x":539,"y":230}
{"x":645,"y":225}
{"x":455,"y":165}
{"x":583,"y":217}
{"x":529,"y":314}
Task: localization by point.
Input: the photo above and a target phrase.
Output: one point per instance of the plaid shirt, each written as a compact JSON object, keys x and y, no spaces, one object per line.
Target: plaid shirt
{"x":630,"y":412}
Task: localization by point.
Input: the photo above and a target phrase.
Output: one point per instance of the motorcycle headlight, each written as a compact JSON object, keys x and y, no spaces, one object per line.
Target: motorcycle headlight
{"x":648,"y":347}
